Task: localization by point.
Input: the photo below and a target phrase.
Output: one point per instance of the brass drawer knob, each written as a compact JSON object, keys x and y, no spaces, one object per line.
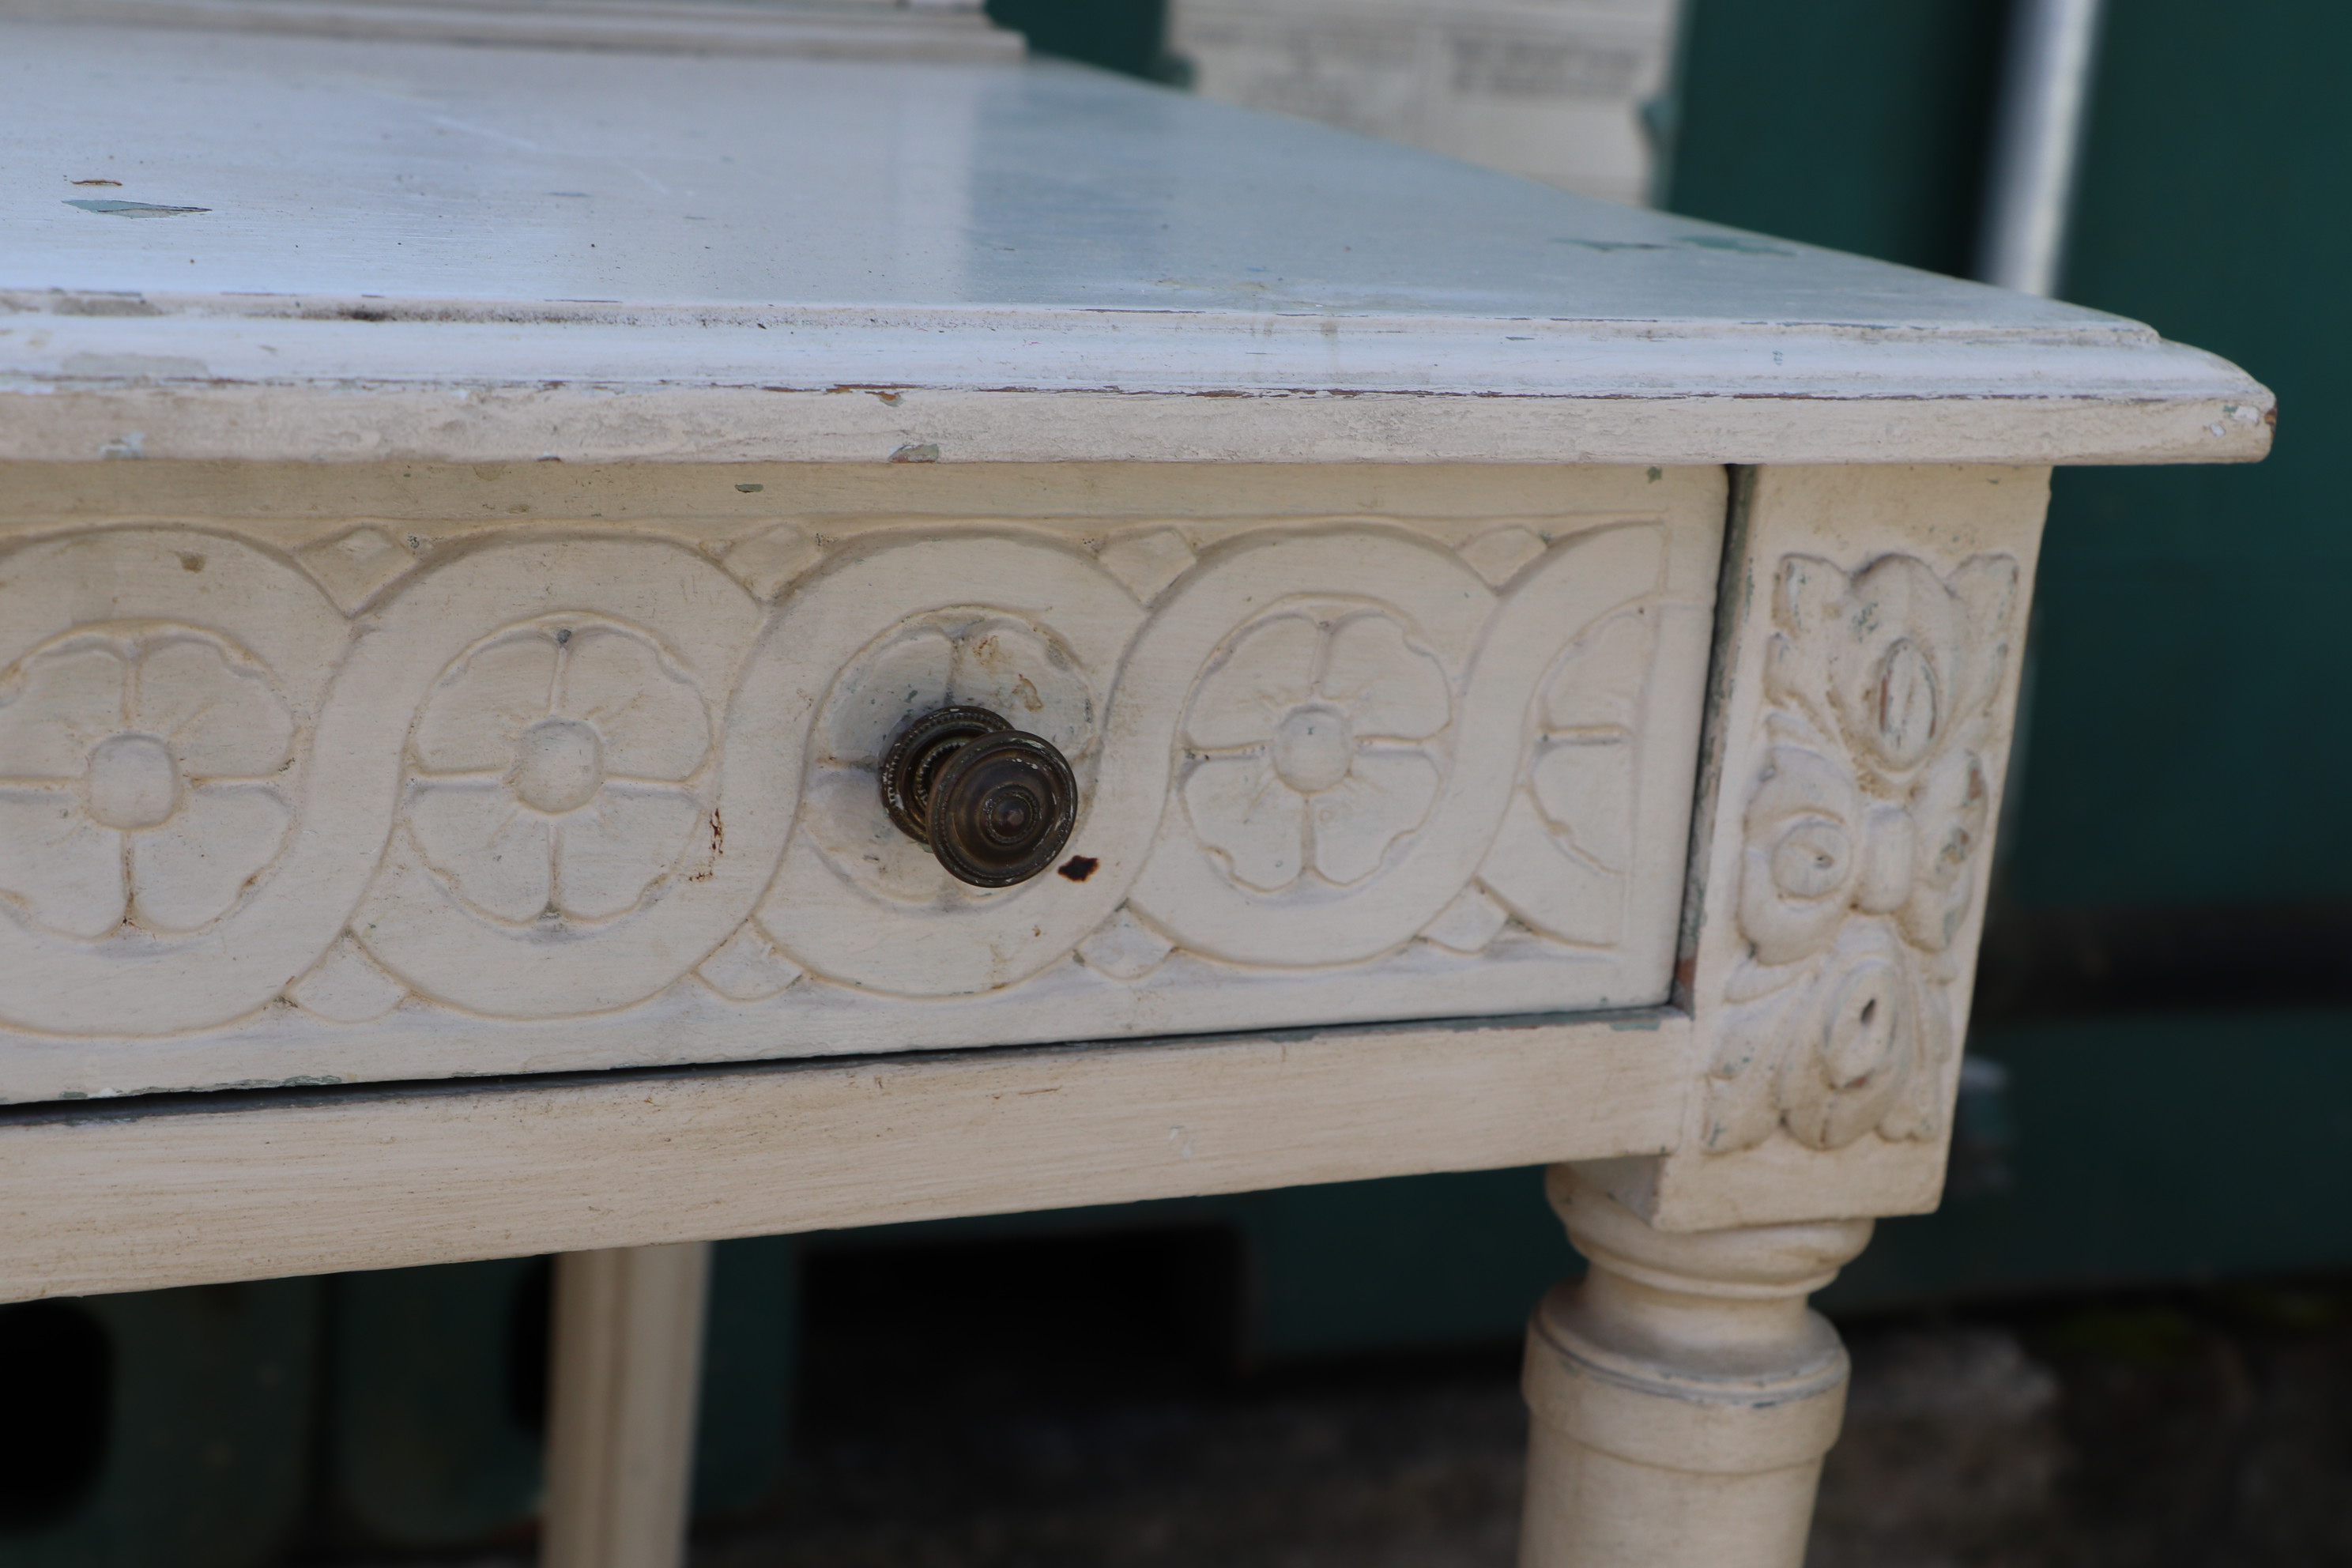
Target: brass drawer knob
{"x":995,"y":803}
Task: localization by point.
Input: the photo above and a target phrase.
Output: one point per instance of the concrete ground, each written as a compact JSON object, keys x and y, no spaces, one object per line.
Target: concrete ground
{"x":2200,"y":1430}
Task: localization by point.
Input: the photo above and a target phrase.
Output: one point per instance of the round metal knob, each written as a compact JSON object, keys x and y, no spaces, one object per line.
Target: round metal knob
{"x":995,"y":805}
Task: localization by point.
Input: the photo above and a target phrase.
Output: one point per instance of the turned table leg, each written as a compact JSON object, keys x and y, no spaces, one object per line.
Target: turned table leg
{"x":1682,"y":1394}
{"x":626,"y":1359}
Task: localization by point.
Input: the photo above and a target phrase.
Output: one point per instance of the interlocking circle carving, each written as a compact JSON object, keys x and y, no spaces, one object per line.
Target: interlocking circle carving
{"x":578,"y":827}
{"x":1027,"y":628}
{"x":548,"y":776}
{"x":159,"y":688}
{"x":1354,"y":703}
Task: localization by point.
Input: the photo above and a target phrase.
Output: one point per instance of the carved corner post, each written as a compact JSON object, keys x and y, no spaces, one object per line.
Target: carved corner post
{"x":624,"y":1371}
{"x":1862,"y":695}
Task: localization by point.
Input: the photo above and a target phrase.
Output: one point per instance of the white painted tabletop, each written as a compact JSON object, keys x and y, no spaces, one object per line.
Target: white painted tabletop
{"x":284,"y":247}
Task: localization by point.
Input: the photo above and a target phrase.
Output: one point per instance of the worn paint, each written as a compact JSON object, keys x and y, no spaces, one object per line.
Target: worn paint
{"x":130,"y":209}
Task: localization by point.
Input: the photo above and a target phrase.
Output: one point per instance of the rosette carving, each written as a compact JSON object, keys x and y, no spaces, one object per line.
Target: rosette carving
{"x":159,"y":692}
{"x":463,"y":792}
{"x":141,"y":780}
{"x":580,"y":827}
{"x":1310,"y":745}
{"x":1865,"y":830}
{"x":555,"y":772}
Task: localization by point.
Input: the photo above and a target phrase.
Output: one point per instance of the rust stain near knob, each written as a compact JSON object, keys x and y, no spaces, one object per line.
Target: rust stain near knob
{"x":995,"y":804}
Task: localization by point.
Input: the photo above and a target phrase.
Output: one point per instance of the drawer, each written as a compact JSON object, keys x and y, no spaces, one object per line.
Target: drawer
{"x":376,"y":773}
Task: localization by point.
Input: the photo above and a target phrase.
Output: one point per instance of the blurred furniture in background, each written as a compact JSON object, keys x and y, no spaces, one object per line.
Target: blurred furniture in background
{"x":1567,"y":92}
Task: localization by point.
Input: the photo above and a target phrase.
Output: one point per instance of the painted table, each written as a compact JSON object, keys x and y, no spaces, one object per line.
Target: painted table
{"x":602,"y":647}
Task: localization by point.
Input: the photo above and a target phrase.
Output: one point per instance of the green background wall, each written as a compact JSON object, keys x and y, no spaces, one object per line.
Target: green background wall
{"x":2192,"y":620}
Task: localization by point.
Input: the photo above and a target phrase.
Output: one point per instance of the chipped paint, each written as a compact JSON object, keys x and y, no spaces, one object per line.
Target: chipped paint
{"x":114,"y":208}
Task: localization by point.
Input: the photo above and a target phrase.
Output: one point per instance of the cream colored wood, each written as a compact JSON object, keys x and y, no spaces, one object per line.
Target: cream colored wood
{"x":201,"y":1188}
{"x":624,"y":1374}
{"x":455,"y":795}
{"x":1866,"y":682}
{"x":1682,"y":1394}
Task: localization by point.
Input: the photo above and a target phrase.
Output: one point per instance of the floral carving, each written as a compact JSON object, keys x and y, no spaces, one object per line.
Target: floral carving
{"x":1309,"y":741}
{"x":366,"y":804}
{"x":139,"y":782}
{"x":553,"y":771}
{"x":1863,"y":837}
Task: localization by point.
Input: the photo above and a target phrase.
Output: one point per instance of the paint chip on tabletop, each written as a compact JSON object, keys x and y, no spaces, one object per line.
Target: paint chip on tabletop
{"x":130,"y":209}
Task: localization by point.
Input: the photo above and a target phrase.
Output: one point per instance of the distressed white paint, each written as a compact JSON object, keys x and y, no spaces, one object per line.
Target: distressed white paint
{"x":487,"y":254}
{"x":325,"y":759}
{"x":553,"y":800}
{"x":199,"y":1188}
{"x":1866,"y":683}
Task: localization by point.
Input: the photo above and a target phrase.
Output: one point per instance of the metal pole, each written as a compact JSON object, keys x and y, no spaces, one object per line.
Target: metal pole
{"x":2037,"y":143}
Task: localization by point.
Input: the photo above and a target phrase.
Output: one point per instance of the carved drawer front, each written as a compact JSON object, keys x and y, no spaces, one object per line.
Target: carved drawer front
{"x":341,"y":802}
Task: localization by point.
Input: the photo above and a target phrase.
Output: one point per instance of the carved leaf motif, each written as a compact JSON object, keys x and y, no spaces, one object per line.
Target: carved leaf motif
{"x":1829,"y":1048}
{"x":1894,"y":659}
{"x":190,"y":871}
{"x":1270,"y":671}
{"x":1586,"y":791}
{"x":475,"y":718}
{"x":1861,"y":860}
{"x":747,"y":968}
{"x":1388,"y":691}
{"x":1124,"y":948}
{"x":481,"y":837}
{"x":1499,"y":554}
{"x":353,"y":567}
{"x":1146,"y":560}
{"x":63,"y":869}
{"x":1470,"y":923}
{"x":766,"y":562}
{"x":651,"y":723}
{"x":1949,"y":805}
{"x":348,"y":986}
{"x":1240,"y":810}
{"x":66,"y":703}
{"x":1566,"y":849}
{"x":220,"y":722}
{"x":609,"y":852}
{"x":1601,"y":678}
{"x":1385,"y":796}
{"x":1861,"y":1020}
